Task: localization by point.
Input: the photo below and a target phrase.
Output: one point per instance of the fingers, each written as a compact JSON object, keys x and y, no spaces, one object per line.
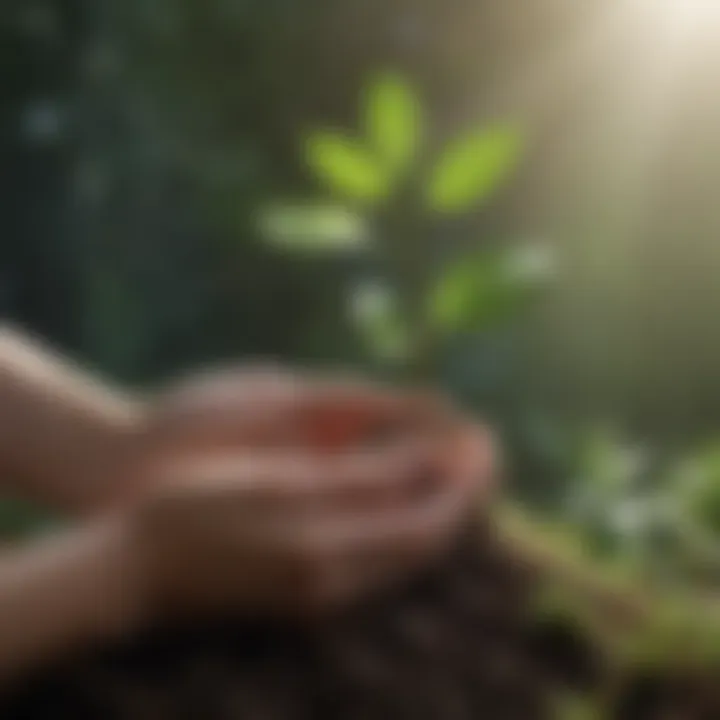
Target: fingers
{"x":474,"y":459}
{"x":232,"y":409}
{"x":401,"y":531}
{"x":286,"y":482}
{"x":373,"y":550}
{"x":272,"y":407}
{"x":341,"y":562}
{"x":341,"y":412}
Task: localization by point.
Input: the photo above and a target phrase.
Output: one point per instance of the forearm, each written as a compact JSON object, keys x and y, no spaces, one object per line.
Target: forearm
{"x":65,"y":593}
{"x":61,"y":431}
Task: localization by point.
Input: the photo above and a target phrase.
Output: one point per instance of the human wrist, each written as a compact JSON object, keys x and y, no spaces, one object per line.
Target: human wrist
{"x":104,"y":573}
{"x":122,"y":573}
{"x":111,"y":460}
{"x":74,"y":590}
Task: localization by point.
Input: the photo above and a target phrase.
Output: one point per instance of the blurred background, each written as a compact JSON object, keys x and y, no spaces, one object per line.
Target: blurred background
{"x":139,"y":137}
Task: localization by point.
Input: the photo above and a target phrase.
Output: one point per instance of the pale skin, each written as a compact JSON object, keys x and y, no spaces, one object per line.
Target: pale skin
{"x":214,"y":497}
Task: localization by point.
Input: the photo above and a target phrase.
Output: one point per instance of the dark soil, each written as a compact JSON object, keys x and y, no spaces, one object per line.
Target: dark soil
{"x":456,"y":644}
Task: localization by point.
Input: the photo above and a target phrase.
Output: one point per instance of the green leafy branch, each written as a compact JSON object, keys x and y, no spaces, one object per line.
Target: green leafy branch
{"x":368,"y":173}
{"x":366,"y":176}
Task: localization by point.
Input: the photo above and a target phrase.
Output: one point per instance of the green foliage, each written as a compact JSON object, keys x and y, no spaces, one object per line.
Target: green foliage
{"x":609,"y":503}
{"x":663,"y":521}
{"x":698,"y":487}
{"x":471,"y":293}
{"x":314,"y":228}
{"x":368,"y":173}
{"x":612,"y":467}
{"x":469,"y":172}
{"x":477,"y":293}
{"x":394,"y":122}
{"x":347,"y":168}
{"x":473,"y":168}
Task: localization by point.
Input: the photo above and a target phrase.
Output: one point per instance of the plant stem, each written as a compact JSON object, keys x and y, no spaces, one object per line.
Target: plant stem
{"x":411,"y":276}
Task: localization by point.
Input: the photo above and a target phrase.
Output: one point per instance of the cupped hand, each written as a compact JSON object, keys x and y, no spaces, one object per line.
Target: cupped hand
{"x":295,"y":496}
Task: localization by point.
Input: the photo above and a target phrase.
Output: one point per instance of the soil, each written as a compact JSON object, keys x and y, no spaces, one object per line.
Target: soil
{"x":456,"y":644}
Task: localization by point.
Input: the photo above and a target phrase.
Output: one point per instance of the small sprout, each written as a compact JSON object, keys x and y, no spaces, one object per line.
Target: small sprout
{"x":365,"y":173}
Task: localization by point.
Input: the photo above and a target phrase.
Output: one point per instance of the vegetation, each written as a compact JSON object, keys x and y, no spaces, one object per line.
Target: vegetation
{"x":416,"y":302}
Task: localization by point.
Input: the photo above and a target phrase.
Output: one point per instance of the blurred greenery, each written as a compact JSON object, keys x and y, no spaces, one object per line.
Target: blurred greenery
{"x":474,"y":292}
{"x":313,"y":228}
{"x":472,"y":168}
{"x":394,"y":121}
{"x":511,"y":196}
{"x":347,"y":167}
{"x":488,"y":288}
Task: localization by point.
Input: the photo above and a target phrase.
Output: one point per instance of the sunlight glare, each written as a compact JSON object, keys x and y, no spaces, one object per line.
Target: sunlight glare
{"x":683,"y":14}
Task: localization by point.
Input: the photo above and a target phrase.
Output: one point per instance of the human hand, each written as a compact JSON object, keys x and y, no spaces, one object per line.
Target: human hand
{"x":262,"y":409}
{"x":282,"y":507}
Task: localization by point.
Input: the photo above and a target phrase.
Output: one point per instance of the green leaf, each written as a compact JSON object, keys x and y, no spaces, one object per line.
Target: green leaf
{"x":480,"y":292}
{"x":313,"y":228}
{"x":473,"y":168}
{"x":393,"y":117}
{"x":347,"y":168}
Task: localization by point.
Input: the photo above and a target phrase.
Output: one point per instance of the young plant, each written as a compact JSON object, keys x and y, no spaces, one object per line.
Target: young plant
{"x":383,"y":202}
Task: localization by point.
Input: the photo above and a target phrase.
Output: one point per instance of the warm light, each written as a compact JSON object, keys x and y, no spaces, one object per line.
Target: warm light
{"x":681,"y":14}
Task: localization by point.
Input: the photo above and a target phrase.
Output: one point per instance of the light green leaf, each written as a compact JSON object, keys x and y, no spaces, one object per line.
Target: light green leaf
{"x":313,"y":228}
{"x":473,"y":168}
{"x":394,"y":118}
{"x":482,"y":291}
{"x":347,"y":168}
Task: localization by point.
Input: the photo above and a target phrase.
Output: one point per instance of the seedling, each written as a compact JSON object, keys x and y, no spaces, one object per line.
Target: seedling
{"x":383,"y":194}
